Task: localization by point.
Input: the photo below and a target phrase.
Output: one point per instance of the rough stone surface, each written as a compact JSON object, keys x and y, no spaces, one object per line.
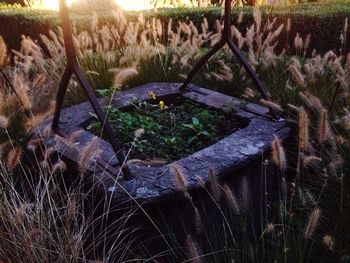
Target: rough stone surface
{"x":150,"y":184}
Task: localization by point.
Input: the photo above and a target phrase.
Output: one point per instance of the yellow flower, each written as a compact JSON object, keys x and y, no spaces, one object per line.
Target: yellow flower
{"x":152,"y":95}
{"x":161,"y":105}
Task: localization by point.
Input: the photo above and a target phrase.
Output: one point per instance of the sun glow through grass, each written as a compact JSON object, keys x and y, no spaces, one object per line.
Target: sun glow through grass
{"x":124,"y":4}
{"x":46,"y":4}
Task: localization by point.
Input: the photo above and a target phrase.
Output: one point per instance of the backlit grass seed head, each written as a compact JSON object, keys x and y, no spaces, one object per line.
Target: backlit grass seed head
{"x":71,"y":210}
{"x":346,"y":26}
{"x":19,"y":213}
{"x":297,"y":76}
{"x":307,"y":41}
{"x":315,"y":102}
{"x":328,"y":242}
{"x":240,"y":18}
{"x":323,"y":127}
{"x":59,"y":167}
{"x":270,"y":228}
{"x":21,"y":89}
{"x":89,"y":154}
{"x":3,"y":52}
{"x":278,"y":155}
{"x":303,"y":124}
{"x":311,"y":161}
{"x":4,"y":122}
{"x":312,"y":223}
{"x":198,"y":220}
{"x":231,"y":199}
{"x":294,"y":108}
{"x":271,"y":105}
{"x":14,"y":158}
{"x":245,"y":194}
{"x":289,"y":25}
{"x":180,"y":178}
{"x":248,"y":93}
{"x":298,"y":42}
{"x":125,"y":75}
{"x":194,"y":251}
{"x":213,"y":185}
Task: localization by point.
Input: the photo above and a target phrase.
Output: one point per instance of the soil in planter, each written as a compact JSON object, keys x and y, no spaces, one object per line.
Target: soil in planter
{"x":168,"y":131}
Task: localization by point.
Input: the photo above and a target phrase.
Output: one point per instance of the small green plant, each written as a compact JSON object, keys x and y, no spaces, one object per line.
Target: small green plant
{"x":170,"y":132}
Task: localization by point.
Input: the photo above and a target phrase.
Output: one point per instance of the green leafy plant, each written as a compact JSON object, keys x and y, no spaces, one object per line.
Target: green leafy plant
{"x":171,"y":132}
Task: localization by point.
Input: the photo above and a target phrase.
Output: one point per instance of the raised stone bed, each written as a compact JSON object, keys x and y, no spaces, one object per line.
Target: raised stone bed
{"x":228,"y":157}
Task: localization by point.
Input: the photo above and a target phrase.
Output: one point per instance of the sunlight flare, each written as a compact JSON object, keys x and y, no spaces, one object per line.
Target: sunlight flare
{"x":134,"y":4}
{"x":47,"y":4}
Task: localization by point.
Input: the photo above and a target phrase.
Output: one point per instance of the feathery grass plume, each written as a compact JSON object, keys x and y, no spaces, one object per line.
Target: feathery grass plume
{"x":240,"y":17}
{"x":21,"y":89}
{"x":2,"y":151}
{"x":125,"y":75}
{"x":180,"y":177}
{"x":49,"y":153}
{"x":323,"y":128}
{"x":305,"y":99}
{"x":34,"y":121}
{"x":303,"y":124}
{"x":239,"y":37}
{"x":298,"y":42}
{"x":14,"y":158}
{"x":34,"y":143}
{"x":89,"y":154}
{"x":270,"y":228}
{"x":294,"y":108}
{"x":271,"y":105}
{"x":289,"y":25}
{"x":245,"y":194}
{"x":297,"y":76}
{"x":312,"y":223}
{"x":311,"y":161}
{"x":194,"y":251}
{"x":346,"y":25}
{"x":278,"y":155}
{"x":19,"y":212}
{"x":45,"y":166}
{"x":198,"y":220}
{"x":315,"y":102}
{"x":248,"y":93}
{"x":71,"y":211}
{"x":59,"y":167}
{"x":257,"y":19}
{"x":3,"y":52}
{"x":328,"y":241}
{"x":4,"y":122}
{"x":213,"y":185}
{"x":307,"y":41}
{"x":231,"y":199}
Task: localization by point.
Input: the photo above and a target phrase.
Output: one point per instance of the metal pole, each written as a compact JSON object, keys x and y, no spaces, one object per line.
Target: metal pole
{"x":73,"y":67}
{"x":227,"y":39}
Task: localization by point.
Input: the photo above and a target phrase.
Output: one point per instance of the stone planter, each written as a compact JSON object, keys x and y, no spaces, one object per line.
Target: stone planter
{"x":149,"y":184}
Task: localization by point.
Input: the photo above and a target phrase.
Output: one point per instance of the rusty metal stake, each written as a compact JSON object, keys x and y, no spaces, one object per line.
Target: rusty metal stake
{"x":73,"y":67}
{"x":227,"y":39}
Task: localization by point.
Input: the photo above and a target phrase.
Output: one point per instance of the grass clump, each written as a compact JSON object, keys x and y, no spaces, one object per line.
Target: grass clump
{"x":309,"y":221}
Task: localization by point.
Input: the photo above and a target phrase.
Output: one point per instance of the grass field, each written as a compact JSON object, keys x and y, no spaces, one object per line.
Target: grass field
{"x":44,"y":220}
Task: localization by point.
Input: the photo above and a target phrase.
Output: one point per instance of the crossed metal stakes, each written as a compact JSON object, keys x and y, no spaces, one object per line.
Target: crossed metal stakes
{"x":73,"y":67}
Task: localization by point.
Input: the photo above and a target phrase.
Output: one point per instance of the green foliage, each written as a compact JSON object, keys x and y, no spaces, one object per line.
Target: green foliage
{"x":328,"y":16}
{"x":176,"y":131}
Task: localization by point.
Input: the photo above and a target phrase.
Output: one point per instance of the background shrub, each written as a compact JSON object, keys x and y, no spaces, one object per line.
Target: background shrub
{"x":324,"y":20}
